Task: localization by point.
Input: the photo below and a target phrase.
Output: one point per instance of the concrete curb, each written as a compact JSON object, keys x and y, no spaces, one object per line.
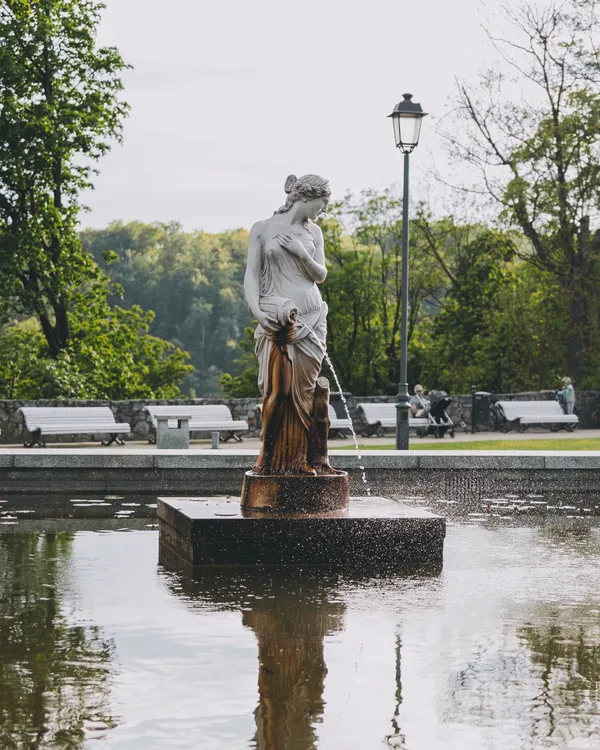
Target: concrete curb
{"x":70,"y":459}
{"x":470,"y":475}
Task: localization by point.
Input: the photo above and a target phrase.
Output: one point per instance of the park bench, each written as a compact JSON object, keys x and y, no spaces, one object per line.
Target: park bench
{"x":525,"y":413}
{"x":376,"y":417}
{"x":42,"y":421}
{"x":338,"y":425}
{"x":203,"y":418}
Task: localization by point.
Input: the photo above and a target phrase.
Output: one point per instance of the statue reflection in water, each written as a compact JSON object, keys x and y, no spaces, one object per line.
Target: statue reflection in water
{"x":292,"y":669}
{"x":290,"y":613}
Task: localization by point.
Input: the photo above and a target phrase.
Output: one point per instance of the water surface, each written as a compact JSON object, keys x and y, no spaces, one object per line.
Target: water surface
{"x":102,"y":647}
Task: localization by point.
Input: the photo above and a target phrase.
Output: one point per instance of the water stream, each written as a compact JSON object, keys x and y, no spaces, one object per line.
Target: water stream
{"x":341,"y":392}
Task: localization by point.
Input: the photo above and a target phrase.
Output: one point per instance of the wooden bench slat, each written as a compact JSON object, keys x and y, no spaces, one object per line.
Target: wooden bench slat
{"x":86,"y":431}
{"x":536,"y":412}
{"x":71,"y":420}
{"x":386,"y":414}
{"x":338,"y":423}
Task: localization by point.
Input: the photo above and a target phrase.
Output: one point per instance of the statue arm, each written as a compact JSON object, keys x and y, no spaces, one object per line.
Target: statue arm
{"x":252,"y":277}
{"x":320,"y":271}
{"x":314,"y":267}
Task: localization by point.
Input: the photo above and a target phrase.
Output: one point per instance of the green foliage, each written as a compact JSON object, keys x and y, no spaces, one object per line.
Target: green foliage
{"x":363,"y":241}
{"x":194,"y":283}
{"x":60,"y":107}
{"x":20,"y":347}
{"x":120,"y":359}
{"x":54,"y":672}
{"x":536,"y":148}
{"x":478,"y":313}
{"x":245,"y":384}
{"x":458,"y":351}
{"x":111,"y":355}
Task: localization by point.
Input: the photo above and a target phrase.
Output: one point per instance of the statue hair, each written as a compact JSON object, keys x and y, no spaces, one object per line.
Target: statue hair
{"x":304,"y":189}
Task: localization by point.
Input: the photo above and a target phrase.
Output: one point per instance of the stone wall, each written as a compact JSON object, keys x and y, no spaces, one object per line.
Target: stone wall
{"x":13,"y":430}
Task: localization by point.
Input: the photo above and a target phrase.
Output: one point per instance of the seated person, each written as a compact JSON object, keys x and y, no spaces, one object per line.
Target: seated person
{"x":419,"y":405}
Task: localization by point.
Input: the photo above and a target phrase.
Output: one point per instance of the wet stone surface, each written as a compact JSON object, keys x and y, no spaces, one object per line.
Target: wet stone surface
{"x":373,"y":531}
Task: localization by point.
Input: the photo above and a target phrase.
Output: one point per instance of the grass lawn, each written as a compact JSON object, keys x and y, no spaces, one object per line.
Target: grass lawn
{"x":447,"y":444}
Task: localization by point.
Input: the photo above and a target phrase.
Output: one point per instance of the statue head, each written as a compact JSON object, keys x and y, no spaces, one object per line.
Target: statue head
{"x":311,"y":190}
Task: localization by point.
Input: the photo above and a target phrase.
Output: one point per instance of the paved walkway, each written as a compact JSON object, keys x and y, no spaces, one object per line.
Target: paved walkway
{"x":373,"y":443}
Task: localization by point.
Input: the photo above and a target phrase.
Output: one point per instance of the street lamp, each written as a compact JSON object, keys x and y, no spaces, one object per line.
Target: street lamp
{"x":406,"y":117}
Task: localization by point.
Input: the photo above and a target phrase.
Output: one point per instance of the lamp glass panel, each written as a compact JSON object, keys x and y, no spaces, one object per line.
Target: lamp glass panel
{"x":410,"y":129}
{"x":396,"y":121}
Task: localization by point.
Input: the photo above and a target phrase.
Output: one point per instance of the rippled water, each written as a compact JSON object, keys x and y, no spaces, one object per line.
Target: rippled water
{"x":502,"y":650}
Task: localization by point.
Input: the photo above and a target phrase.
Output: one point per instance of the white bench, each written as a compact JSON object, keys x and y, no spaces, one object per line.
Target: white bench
{"x":376,"y":417}
{"x":524,"y":413}
{"x":203,"y":418}
{"x":72,"y":420}
{"x":337,"y":425}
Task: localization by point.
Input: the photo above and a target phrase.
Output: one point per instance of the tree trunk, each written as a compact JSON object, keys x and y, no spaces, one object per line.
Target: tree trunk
{"x":62,"y":323}
{"x":57,"y":335}
{"x":581,"y":308}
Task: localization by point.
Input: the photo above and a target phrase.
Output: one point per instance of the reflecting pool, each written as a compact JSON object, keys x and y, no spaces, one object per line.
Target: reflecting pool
{"x":100,"y":642}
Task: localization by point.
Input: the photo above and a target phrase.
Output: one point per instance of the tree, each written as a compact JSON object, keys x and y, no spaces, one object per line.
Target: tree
{"x":454,"y":358}
{"x":245,"y":384}
{"x":535,"y":140}
{"x":192,"y":280}
{"x":110,"y":355}
{"x":363,"y":242}
{"x":60,"y":107}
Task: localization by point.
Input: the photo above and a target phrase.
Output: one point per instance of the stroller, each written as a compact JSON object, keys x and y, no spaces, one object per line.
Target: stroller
{"x":439,"y":421}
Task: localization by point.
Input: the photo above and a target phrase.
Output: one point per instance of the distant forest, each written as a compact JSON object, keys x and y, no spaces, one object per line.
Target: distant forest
{"x":192,"y":281}
{"x":482,"y":311}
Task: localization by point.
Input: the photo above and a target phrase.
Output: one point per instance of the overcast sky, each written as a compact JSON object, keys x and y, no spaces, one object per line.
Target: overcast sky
{"x":228,"y":97}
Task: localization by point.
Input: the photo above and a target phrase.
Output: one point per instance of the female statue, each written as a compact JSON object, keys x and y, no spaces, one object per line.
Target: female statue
{"x":286,"y":261}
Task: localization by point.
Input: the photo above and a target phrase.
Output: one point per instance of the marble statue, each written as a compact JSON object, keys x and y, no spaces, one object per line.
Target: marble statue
{"x":286,"y":263}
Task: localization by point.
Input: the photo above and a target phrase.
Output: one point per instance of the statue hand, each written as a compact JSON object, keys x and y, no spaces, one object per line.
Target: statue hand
{"x":269,"y":324}
{"x":292,"y":244}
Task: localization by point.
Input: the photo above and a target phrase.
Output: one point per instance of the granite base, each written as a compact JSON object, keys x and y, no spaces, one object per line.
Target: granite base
{"x":374,"y":532}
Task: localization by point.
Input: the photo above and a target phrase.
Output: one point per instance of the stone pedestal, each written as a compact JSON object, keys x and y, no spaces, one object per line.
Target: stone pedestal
{"x":172,"y":436}
{"x":324,"y":493}
{"x":372,"y":532}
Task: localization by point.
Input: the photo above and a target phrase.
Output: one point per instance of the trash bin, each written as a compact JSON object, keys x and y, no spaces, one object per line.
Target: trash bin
{"x":480,"y":414}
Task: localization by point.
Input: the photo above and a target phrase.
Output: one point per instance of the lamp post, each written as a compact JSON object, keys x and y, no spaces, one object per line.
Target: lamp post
{"x":406,"y":117}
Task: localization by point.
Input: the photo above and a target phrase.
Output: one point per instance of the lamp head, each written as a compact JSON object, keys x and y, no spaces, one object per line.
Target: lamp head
{"x":407,"y":117}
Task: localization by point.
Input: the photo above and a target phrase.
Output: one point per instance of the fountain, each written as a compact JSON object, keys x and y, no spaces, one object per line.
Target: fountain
{"x":295,"y":507}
